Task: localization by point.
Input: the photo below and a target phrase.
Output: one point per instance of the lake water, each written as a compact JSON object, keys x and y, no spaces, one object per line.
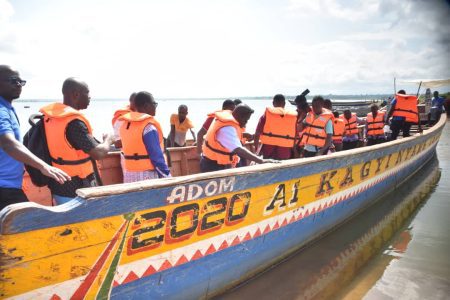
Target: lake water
{"x":397,"y":249}
{"x":100,"y":112}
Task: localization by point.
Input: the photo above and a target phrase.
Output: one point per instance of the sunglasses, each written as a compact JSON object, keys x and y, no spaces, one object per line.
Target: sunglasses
{"x":16,"y":81}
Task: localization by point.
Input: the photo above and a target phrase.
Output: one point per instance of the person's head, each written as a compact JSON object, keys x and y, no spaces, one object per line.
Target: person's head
{"x":242,"y":114}
{"x":182,"y":112}
{"x":317,"y":105}
{"x":132,"y":106}
{"x":228,"y":105}
{"x":76,"y":93}
{"x":335,"y":114}
{"x":145,"y":103}
{"x":436,"y":94}
{"x":402,"y":92}
{"x":10,"y":83}
{"x":278,"y":100}
{"x":347,"y":114}
{"x":327,"y":104}
{"x":374,"y":108}
{"x":237,"y":102}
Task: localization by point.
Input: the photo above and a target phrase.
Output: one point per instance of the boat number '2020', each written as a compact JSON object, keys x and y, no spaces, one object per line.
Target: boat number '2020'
{"x":151,"y":229}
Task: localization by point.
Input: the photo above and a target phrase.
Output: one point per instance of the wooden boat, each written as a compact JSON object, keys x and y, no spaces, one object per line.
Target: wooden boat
{"x":194,"y":236}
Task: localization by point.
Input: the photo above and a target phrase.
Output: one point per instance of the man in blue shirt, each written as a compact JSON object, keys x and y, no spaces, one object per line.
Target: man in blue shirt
{"x":12,"y":153}
{"x":437,"y":107}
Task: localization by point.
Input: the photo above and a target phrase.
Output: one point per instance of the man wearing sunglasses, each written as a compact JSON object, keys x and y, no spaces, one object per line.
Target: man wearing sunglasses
{"x":12,"y":153}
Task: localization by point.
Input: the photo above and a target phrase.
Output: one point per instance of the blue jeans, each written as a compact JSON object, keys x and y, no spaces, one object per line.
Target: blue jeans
{"x":61,"y":199}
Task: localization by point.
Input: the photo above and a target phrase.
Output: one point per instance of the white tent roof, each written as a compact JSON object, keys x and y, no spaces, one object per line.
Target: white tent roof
{"x":428,"y":83}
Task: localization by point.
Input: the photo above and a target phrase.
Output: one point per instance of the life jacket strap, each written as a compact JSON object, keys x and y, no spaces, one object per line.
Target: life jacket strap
{"x":135,"y":156}
{"x":278,"y":135}
{"x":219,"y":151}
{"x":61,"y":161}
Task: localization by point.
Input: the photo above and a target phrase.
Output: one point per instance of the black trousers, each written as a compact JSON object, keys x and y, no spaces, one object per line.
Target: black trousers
{"x":397,"y":125}
{"x":349,"y":145}
{"x":371,"y":142}
{"x":307,"y":153}
{"x":11,"y":196}
{"x":208,"y":165}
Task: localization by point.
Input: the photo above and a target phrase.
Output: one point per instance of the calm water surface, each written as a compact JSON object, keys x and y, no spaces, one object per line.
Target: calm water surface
{"x":100,"y":112}
{"x":398,"y":249}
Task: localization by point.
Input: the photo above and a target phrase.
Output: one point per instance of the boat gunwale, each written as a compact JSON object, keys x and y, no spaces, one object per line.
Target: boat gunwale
{"x":123,"y":188}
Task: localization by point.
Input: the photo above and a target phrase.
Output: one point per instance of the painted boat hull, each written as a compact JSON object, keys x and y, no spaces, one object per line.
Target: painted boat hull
{"x":194,"y":236}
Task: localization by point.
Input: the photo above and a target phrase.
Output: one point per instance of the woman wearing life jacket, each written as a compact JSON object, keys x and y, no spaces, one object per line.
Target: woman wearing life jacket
{"x":276,"y":129}
{"x":222,"y":145}
{"x":318,"y":129}
{"x":404,"y":113}
{"x":338,"y":131}
{"x":351,"y":137}
{"x":142,"y":142}
{"x":374,"y":126}
{"x":226,"y":105}
{"x":302,"y":109}
{"x":70,"y":141}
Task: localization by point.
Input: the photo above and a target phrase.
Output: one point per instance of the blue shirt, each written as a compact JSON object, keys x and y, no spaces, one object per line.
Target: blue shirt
{"x":437,"y":102}
{"x":152,"y":144}
{"x":11,"y":170}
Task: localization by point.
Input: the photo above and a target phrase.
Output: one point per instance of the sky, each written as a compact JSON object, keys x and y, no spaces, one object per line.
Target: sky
{"x":224,"y":48}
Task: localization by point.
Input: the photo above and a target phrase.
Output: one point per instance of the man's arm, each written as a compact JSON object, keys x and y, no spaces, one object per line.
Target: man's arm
{"x":193,"y":135}
{"x":391,"y":111}
{"x":19,"y":152}
{"x":79,"y":137}
{"x":172,"y":136}
{"x":200,"y":137}
{"x":156,"y":156}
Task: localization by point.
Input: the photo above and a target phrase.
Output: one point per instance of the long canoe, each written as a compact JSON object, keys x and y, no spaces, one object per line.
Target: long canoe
{"x":194,"y":236}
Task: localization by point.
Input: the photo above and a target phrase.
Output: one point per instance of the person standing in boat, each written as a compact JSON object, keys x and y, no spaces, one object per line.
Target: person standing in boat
{"x":276,"y":129}
{"x":180,"y":124}
{"x":338,"y":131}
{"x":222,"y":146}
{"x":302,"y":109}
{"x":404,"y":113}
{"x":318,"y":129}
{"x":142,"y":141}
{"x":437,"y":108}
{"x":70,"y":142}
{"x":226,"y":105}
{"x":13,"y":155}
{"x":351,"y":136}
{"x":375,"y":126}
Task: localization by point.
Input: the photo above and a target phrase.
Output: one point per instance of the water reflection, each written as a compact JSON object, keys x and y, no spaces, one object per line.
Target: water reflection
{"x":324,"y":268}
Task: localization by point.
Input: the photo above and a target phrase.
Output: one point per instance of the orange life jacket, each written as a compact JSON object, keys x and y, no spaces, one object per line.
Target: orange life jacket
{"x":56,"y":118}
{"x":279,"y":129}
{"x":406,"y":106}
{"x":375,"y":126}
{"x":120,"y":112}
{"x":315,"y":133}
{"x":351,"y":127}
{"x":133,"y":147}
{"x":212,"y":148}
{"x":338,"y":129}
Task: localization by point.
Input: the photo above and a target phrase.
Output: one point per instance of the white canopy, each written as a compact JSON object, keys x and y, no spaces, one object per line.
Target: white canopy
{"x":429,"y":83}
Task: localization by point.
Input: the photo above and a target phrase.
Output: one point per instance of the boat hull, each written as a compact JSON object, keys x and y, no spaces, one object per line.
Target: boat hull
{"x":194,"y":236}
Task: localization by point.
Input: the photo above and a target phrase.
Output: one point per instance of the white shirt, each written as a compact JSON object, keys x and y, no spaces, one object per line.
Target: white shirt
{"x":228,"y":138}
